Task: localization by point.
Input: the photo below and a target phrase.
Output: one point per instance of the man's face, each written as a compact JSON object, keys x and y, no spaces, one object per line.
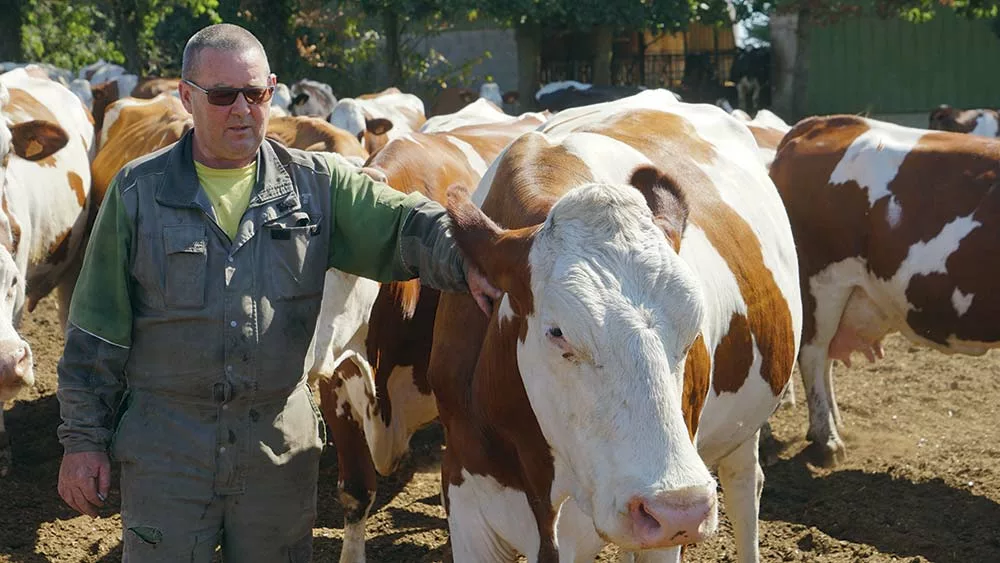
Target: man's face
{"x":227,"y":136}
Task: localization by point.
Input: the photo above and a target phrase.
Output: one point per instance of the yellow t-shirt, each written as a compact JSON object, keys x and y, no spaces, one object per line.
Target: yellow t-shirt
{"x":229,"y":191}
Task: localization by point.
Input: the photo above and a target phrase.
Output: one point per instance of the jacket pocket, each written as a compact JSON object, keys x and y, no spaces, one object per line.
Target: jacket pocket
{"x":186,"y":248}
{"x":295,"y":257}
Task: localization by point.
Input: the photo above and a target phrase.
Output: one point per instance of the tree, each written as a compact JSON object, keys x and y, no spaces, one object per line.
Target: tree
{"x":10,"y":30}
{"x":811,"y":13}
{"x":74,"y":33}
{"x":419,"y":18}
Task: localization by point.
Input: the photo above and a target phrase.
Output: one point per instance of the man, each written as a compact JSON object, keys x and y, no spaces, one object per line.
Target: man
{"x":198,"y":297}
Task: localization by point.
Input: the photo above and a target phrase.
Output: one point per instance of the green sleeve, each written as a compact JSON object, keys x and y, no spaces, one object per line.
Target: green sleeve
{"x":385,"y":235}
{"x":92,"y":367}
{"x":101,"y":302}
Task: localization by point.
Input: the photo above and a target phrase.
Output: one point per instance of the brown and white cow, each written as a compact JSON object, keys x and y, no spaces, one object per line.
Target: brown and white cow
{"x":646,"y":333}
{"x":45,"y":141}
{"x":315,"y":134}
{"x":372,"y":343}
{"x":133,"y":128}
{"x":375,"y":119}
{"x":479,"y":112}
{"x":894,"y":228}
{"x":150,"y":87}
{"x":982,"y":122}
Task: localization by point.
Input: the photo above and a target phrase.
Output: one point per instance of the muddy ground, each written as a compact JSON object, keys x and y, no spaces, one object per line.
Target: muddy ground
{"x":921,"y":483}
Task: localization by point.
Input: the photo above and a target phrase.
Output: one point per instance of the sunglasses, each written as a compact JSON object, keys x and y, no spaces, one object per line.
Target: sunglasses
{"x":226,"y":96}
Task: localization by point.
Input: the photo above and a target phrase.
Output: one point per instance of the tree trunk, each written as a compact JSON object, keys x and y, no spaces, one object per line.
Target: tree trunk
{"x":127,"y":28}
{"x":10,"y":30}
{"x":390,"y":21}
{"x":602,"y":37}
{"x":529,"y":47}
{"x":800,"y":74}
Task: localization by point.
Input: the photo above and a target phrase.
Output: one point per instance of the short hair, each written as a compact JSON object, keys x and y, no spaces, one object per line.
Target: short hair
{"x":221,"y":37}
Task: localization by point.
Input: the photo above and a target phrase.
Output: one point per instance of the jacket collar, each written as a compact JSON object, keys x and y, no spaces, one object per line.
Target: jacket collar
{"x":180,"y":186}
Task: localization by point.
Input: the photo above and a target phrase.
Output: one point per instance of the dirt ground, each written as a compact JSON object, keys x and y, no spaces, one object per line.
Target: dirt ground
{"x":921,"y":483}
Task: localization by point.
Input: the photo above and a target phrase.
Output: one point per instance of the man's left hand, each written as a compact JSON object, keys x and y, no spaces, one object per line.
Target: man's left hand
{"x":481,"y":289}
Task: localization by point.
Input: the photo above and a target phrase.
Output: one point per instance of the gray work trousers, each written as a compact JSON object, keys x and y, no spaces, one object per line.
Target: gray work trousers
{"x":170,"y":518}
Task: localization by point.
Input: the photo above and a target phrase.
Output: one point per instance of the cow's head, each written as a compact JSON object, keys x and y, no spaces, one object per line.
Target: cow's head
{"x":947,"y":118}
{"x":606,"y":313}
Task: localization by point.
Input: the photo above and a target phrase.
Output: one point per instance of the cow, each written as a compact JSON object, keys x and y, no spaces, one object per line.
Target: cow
{"x":370,"y":351}
{"x":479,"y":112}
{"x":894,"y":227}
{"x":375,"y":119}
{"x":45,"y":143}
{"x":557,"y":96}
{"x":649,"y":324}
{"x":453,"y":98}
{"x":311,"y":98}
{"x":107,"y":93}
{"x":315,"y":134}
{"x":983,"y":122}
{"x":133,"y":128}
{"x":751,"y":73}
{"x":152,"y":86}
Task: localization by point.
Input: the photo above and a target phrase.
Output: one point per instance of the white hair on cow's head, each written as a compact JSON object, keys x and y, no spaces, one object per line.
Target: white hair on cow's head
{"x":602,"y":360}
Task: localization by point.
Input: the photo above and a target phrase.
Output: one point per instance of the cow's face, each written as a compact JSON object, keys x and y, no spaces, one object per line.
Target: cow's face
{"x":608,"y":316}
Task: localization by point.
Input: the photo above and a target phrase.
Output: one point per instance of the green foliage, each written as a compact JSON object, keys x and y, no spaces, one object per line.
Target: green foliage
{"x":67,"y":33}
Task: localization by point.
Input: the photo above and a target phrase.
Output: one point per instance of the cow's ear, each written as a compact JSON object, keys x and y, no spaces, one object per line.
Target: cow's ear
{"x":300,"y":99}
{"x":500,"y":254}
{"x":378,"y":126}
{"x":665,"y":199}
{"x":35,"y":140}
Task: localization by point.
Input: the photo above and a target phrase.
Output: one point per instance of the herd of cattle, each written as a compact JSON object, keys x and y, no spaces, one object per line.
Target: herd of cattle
{"x":664,"y":265}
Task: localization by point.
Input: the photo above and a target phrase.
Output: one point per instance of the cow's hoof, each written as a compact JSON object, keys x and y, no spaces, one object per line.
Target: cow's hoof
{"x":827,"y":454}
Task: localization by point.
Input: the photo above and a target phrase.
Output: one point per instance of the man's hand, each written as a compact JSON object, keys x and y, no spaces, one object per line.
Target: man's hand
{"x":84,"y":481}
{"x":481,"y":289}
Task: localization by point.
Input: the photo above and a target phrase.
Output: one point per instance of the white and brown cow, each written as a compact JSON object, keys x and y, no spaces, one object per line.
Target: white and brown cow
{"x":375,"y":119}
{"x":646,"y":333}
{"x":133,"y":128}
{"x":895,"y":228}
{"x":372,"y":343}
{"x":45,"y":139}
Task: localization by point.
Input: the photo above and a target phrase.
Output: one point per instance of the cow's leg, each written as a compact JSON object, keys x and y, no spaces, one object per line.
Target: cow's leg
{"x":817,"y":371}
{"x":6,"y":459}
{"x":356,"y":473}
{"x":742,"y":482}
